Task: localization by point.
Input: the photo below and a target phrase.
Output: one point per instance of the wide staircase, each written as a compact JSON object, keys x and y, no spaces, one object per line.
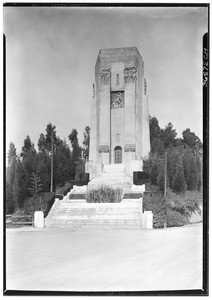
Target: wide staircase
{"x":77,"y":213}
{"x":115,"y":175}
{"x":80,"y":214}
{"x":74,"y":212}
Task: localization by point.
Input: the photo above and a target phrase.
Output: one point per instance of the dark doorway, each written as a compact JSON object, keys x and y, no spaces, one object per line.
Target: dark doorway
{"x":118,"y":155}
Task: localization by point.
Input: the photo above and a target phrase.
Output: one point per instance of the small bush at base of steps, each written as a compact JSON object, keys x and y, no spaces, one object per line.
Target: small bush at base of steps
{"x":104,"y":194}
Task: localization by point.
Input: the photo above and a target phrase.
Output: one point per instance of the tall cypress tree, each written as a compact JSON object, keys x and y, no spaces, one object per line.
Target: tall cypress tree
{"x":193,"y":176}
{"x":76,"y":151}
{"x":10,"y":177}
{"x":86,"y":143}
{"x":179,"y":183}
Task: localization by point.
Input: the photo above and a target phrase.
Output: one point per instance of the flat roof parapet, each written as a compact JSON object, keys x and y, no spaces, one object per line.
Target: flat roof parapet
{"x":119,"y":50}
{"x":124,"y":54}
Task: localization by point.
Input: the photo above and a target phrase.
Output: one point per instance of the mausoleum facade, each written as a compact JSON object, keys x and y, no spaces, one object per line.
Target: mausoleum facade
{"x":119,"y":112}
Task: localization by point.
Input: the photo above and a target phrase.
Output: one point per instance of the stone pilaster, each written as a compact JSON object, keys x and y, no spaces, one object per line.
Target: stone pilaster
{"x":130,"y":74}
{"x":145,"y":123}
{"x":104,"y":113}
{"x":93,"y":155}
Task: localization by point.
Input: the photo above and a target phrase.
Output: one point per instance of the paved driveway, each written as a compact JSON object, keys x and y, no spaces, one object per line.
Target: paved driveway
{"x":104,"y":260}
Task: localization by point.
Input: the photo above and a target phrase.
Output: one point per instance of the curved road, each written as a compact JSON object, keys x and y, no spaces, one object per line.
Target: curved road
{"x":104,"y":260}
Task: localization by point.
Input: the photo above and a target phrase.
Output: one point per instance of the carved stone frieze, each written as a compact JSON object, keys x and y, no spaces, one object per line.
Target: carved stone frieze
{"x":104,"y":76}
{"x":129,"y":148}
{"x":117,"y":99}
{"x":130,"y":74}
{"x":103,"y":149}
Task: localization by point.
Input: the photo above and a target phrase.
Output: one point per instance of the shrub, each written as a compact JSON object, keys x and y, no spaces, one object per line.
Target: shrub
{"x":179,"y":208}
{"x":43,"y":201}
{"x":175,"y":219}
{"x":156,"y":204}
{"x":185,"y":203}
{"x":104,"y":194}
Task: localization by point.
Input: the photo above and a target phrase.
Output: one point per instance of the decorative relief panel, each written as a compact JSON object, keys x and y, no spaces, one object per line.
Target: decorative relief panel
{"x":103,"y":149}
{"x":117,"y":99}
{"x":104,"y":76}
{"x":130,"y":74}
{"x":129,"y":148}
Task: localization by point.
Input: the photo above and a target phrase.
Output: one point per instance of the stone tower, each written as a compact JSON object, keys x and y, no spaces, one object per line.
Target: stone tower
{"x":119,"y":112}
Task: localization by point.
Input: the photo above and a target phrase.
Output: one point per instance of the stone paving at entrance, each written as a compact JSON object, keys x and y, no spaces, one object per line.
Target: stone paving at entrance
{"x":104,"y":260}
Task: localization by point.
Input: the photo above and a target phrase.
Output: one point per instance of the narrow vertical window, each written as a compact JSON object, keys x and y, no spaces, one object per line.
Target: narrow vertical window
{"x":117,"y":79}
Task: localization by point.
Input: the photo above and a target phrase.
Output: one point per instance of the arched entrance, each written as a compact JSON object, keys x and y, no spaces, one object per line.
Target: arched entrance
{"x":118,"y":155}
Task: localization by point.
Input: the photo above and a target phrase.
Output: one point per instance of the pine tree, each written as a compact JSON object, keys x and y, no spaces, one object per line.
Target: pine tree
{"x":43,"y":169}
{"x":35,"y":185}
{"x":62,"y":164}
{"x":10,"y":177}
{"x":191,"y":139}
{"x":45,"y":141}
{"x":169,"y":136}
{"x":20,"y":192}
{"x":28,"y":148}
{"x":76,"y":150}
{"x":155,"y":136}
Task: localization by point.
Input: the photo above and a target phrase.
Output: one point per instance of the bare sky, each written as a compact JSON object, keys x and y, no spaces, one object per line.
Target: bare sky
{"x":51,"y":54}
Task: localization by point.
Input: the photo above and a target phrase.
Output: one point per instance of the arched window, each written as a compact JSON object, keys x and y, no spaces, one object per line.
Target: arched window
{"x":118,"y":154}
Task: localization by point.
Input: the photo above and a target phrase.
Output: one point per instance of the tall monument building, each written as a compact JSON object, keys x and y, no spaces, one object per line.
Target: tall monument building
{"x":119,"y":112}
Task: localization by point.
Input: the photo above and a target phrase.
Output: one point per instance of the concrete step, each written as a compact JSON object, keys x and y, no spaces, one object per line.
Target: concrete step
{"x":77,"y":213}
{"x":99,"y":205}
{"x":96,"y":223}
{"x":114,"y":168}
{"x":96,"y":217}
{"x":97,"y":211}
{"x":81,"y":201}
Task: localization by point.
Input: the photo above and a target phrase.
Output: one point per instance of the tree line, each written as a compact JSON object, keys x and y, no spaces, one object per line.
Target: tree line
{"x":184,"y":158}
{"x":28,"y":173}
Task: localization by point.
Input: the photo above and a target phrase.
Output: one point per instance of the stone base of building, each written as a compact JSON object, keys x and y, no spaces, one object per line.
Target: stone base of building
{"x":93,"y":168}
{"x":134,"y":166}
{"x":97,"y":169}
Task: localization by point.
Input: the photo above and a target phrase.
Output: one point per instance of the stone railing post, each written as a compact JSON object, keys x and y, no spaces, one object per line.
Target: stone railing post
{"x":38,"y":219}
{"x":148,"y":219}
